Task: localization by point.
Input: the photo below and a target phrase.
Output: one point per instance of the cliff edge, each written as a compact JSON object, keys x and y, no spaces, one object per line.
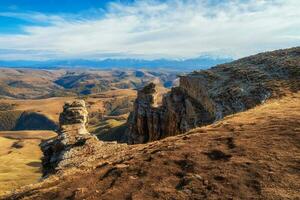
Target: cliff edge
{"x":206,"y":96}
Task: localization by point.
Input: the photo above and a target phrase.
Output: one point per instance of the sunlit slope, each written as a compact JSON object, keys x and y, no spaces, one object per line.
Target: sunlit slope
{"x":248,"y":155}
{"x":20,"y":156}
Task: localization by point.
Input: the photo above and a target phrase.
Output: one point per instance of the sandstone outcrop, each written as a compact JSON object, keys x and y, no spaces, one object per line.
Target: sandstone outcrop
{"x":206,"y":96}
{"x":75,"y":147}
{"x":74,"y":113}
{"x":71,"y":136}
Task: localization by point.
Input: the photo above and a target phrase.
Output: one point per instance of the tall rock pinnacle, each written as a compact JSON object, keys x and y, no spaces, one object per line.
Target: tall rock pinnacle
{"x":71,"y":136}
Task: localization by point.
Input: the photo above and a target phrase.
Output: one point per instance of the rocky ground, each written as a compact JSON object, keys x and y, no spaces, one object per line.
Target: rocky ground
{"x":249,"y":155}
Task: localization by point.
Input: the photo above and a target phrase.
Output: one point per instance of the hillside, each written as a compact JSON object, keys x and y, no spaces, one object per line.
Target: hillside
{"x":41,"y":84}
{"x":231,"y":159}
{"x":28,"y":83}
{"x":20,"y":155}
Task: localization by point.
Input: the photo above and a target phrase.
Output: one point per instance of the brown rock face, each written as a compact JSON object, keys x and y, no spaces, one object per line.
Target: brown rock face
{"x":72,"y":136}
{"x":206,"y":96}
{"x":178,"y":113}
{"x":74,"y":113}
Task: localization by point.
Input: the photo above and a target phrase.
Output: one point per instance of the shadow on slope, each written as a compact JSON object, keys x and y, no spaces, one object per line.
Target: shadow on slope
{"x":20,"y":120}
{"x":34,"y":121}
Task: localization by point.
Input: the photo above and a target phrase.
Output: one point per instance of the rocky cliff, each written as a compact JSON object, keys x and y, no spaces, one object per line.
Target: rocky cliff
{"x":206,"y":96}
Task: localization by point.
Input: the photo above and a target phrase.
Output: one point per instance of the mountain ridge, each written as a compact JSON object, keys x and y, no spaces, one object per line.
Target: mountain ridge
{"x":182,"y":65}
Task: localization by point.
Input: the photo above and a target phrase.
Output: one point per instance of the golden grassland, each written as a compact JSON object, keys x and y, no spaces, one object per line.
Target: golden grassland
{"x":51,"y":107}
{"x":34,"y":83}
{"x":20,"y":158}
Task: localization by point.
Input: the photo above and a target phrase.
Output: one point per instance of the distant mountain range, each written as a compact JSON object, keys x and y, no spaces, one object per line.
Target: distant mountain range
{"x":182,"y":65}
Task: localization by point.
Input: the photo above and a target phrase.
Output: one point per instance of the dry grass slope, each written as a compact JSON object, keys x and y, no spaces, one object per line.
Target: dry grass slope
{"x":249,"y":155}
{"x":9,"y":119}
{"x":20,"y":155}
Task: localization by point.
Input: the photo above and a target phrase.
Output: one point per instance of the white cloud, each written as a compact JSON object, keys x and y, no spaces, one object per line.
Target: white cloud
{"x":34,"y":17}
{"x":153,"y":29}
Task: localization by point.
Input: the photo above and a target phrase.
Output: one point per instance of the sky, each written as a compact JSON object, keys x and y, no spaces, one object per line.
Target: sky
{"x":145,"y":29}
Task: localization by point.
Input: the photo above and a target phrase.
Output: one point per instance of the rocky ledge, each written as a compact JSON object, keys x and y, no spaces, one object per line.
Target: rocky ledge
{"x":206,"y":96}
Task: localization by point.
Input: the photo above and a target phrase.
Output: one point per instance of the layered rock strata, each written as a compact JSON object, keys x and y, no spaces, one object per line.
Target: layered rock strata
{"x":71,"y":137}
{"x":206,"y":96}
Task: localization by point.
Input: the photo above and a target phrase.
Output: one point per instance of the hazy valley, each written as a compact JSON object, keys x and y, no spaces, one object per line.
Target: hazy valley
{"x":34,"y":83}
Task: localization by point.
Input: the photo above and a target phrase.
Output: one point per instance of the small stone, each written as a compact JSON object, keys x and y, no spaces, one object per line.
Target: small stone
{"x":187,"y":191}
{"x":198,"y":177}
{"x":205,"y":182}
{"x":121,"y":166}
{"x":132,"y":177}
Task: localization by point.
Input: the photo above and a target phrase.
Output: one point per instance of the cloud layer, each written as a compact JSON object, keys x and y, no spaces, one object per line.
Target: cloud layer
{"x":154,"y":29}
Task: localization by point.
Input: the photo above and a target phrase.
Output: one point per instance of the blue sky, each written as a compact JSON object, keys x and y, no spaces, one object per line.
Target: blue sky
{"x":52,"y":6}
{"x":10,"y":24}
{"x":148,"y":29}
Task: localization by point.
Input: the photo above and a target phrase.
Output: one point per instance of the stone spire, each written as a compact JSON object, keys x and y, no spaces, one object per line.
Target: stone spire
{"x":72,"y":136}
{"x":74,"y":117}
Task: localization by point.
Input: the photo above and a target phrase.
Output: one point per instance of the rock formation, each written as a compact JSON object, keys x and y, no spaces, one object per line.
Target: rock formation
{"x":74,"y":142}
{"x":178,"y":113}
{"x":209,"y":95}
{"x":74,"y":113}
{"x":250,"y":155}
{"x":71,"y":136}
